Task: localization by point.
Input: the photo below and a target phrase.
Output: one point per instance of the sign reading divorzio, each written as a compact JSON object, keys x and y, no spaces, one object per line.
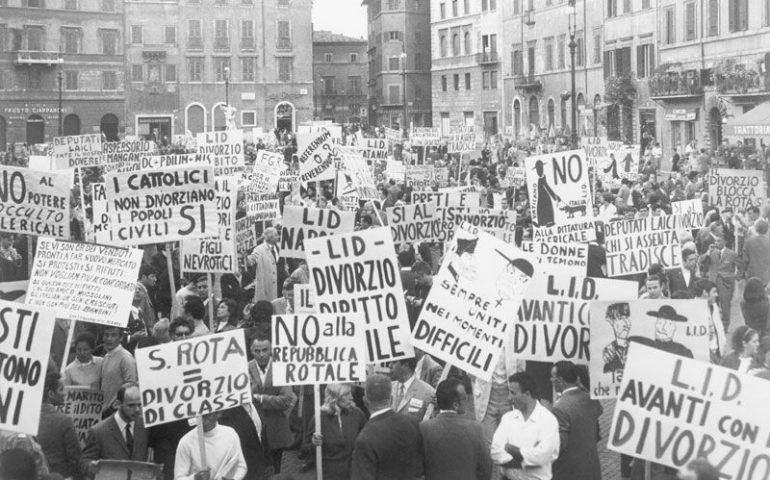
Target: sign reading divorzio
{"x":358,"y":272}
{"x":208,"y":374}
{"x":302,"y":223}
{"x":736,"y":188}
{"x":25,"y":343}
{"x":35,"y":202}
{"x":316,"y":348}
{"x":223,"y":150}
{"x":83,"y":281}
{"x":415,"y":222}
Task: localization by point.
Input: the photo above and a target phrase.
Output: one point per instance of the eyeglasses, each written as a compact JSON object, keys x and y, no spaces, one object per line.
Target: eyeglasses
{"x":182,"y":334}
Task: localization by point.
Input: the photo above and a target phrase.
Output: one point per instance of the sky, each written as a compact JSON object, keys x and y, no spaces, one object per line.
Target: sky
{"x":340,"y":16}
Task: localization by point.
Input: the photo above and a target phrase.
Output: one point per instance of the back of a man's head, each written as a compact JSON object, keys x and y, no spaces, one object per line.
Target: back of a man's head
{"x":377,"y":389}
{"x":17,"y":464}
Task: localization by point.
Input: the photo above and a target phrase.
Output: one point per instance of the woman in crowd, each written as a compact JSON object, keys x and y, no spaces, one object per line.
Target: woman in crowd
{"x":341,"y":421}
{"x":745,"y":344}
{"x":228,"y":315}
{"x":755,"y":306}
{"x":84,"y":371}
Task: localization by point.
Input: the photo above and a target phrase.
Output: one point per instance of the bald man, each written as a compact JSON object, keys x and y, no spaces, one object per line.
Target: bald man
{"x":265,"y":258}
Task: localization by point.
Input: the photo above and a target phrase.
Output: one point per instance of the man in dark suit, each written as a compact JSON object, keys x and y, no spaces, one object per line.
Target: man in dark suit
{"x":273,"y":404}
{"x":578,"y":418}
{"x":121,"y":436}
{"x":756,"y":254}
{"x":721,"y":263}
{"x":684,"y":278}
{"x":56,"y":433}
{"x":454,"y":446}
{"x":390,"y":446}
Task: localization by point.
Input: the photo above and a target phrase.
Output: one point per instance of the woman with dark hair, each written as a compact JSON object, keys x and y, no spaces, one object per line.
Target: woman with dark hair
{"x":228,"y":315}
{"x":745,"y":345}
{"x":755,"y":306}
{"x":85,"y":369}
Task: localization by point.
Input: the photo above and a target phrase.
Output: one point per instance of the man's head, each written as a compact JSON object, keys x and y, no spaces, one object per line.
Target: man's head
{"x":271,"y":236}
{"x":654,"y":286}
{"x":148,"y":276}
{"x":181,"y":329}
{"x":17,"y":464}
{"x":111,"y":337}
{"x":690,"y":259}
{"x":202,"y":287}
{"x":719,"y":241}
{"x":377,"y":392}
{"x":450,"y":395}
{"x":564,"y":375}
{"x":130,"y":405}
{"x":761,"y":227}
{"x":210,"y":421}
{"x":402,"y":370}
{"x":618,"y":317}
{"x":194,"y":309}
{"x":261,"y":347}
{"x":288,"y":290}
{"x":752,"y":213}
{"x":54,"y":388}
{"x":522,"y":391}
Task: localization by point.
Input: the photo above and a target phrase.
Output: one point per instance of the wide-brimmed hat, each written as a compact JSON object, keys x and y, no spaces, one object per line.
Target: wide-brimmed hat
{"x":667,"y":312}
{"x":521,"y":263}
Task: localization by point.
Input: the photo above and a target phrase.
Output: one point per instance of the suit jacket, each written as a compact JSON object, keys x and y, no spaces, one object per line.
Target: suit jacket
{"x":578,"y":418}
{"x":455,"y":448}
{"x":274,"y":409}
{"x":756,"y":258}
{"x":266,"y":279}
{"x":388,"y":448}
{"x":721,"y":266}
{"x":105,"y":441}
{"x":59,"y":441}
{"x":415,"y":400}
{"x":677,"y":282}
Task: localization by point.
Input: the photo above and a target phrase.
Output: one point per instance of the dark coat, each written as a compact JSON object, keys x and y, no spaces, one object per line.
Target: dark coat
{"x":388,"y":448}
{"x":756,"y":258}
{"x":59,"y":441}
{"x":105,"y":441}
{"x":578,"y":418}
{"x":455,"y":449}
{"x":676,"y":280}
{"x":274,"y":409}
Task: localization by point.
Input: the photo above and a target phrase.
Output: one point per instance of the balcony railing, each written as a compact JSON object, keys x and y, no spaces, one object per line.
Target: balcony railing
{"x":487,"y":58}
{"x":34,"y":57}
{"x":528,"y":82}
{"x":675,"y":85}
{"x":743,"y":83}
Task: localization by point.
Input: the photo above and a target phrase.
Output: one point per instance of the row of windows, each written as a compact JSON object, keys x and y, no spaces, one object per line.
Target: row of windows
{"x":221,"y":68}
{"x":738,"y":14}
{"x":329,"y":57}
{"x":35,"y":38}
{"x":488,"y":81}
{"x":221,"y":31}
{"x":153,"y":73}
{"x":375,"y":6}
{"x":618,"y":61}
{"x":488,"y":43}
{"x":33,"y":80}
{"x":104,"y":5}
{"x":139,"y":37}
{"x":552,"y":60}
{"x":614,"y":7}
{"x":329,"y":85}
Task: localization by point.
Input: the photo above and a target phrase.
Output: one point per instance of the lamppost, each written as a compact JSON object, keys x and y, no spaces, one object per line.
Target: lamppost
{"x":403,"y":89}
{"x":572,"y":46}
{"x":227,"y":86}
{"x":59,"y":77}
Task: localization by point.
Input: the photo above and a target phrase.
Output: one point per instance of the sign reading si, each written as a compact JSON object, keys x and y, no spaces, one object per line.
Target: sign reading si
{"x":672,"y":410}
{"x":35,"y":202}
{"x":318,"y":348}
{"x":25,"y":344}
{"x":558,"y":188}
{"x":84,"y":281}
{"x":302,"y":223}
{"x":416,"y":222}
{"x":193,"y":377}
{"x":358,"y":272}
{"x":162,"y":205}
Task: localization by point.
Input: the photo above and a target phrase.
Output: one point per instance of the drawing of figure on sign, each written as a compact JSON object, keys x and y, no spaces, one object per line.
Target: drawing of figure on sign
{"x":613,"y":167}
{"x":614,"y":354}
{"x":545,"y":198}
{"x":513,"y":280}
{"x":462,"y":263}
{"x":665,"y":328}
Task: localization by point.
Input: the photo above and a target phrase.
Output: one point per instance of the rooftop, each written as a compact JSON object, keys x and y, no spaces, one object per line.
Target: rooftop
{"x":325,"y":36}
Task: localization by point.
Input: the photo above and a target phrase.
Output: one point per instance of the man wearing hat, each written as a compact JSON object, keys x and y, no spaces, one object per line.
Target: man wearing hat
{"x":665,"y":327}
{"x":513,"y":280}
{"x":545,"y":198}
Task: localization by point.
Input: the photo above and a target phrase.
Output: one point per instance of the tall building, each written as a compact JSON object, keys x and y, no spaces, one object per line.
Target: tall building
{"x":68,"y":49}
{"x":537,"y":67}
{"x":399,"y":61}
{"x":465,"y":63}
{"x":341,"y":73}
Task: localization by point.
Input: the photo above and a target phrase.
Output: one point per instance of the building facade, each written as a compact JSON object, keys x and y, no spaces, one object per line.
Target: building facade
{"x":399,"y":58}
{"x":341,"y":74}
{"x":537,"y":69}
{"x":68,"y":49}
{"x":465,"y":64}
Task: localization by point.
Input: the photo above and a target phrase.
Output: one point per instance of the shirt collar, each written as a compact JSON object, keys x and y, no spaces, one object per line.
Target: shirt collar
{"x":122,"y":423}
{"x":378,"y":412}
{"x":569,"y":389}
{"x":408,"y":382}
{"x":83,"y":364}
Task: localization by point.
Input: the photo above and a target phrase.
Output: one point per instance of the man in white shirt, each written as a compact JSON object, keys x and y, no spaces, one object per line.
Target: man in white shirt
{"x":224,"y":459}
{"x":527,"y":441}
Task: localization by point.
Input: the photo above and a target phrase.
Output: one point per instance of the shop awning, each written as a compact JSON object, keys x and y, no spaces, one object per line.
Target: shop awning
{"x":753,"y":124}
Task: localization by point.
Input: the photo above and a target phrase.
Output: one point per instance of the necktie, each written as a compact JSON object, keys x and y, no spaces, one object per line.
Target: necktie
{"x":129,"y":439}
{"x":400,"y":395}
{"x":272,"y":250}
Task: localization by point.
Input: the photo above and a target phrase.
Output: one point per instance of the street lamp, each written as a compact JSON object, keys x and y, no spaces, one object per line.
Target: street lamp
{"x":59,"y":77}
{"x":572,"y":46}
{"x":403,"y":88}
{"x":227,"y":86}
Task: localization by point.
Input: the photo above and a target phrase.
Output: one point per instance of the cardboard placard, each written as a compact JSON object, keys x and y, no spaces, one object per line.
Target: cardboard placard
{"x":574,"y":231}
{"x":425,"y":137}
{"x":690,"y":213}
{"x":633,"y":245}
{"x":316,"y":155}
{"x":393,"y":136}
{"x":317,"y":348}
{"x":77,"y":151}
{"x":122,"y":153}
{"x":224,"y":150}
{"x":566,"y":258}
{"x":596,"y":149}
{"x":35,"y":202}
{"x":289,"y":178}
{"x":558,"y":187}
{"x":374,"y":149}
{"x":266,"y":174}
{"x":84,"y":406}
{"x":101,"y":215}
{"x":302,"y":223}
{"x":245,"y":236}
{"x":675,"y":326}
{"x":262,"y":208}
{"x":304,"y":298}
{"x":461,"y":139}
{"x":415,"y":222}
{"x":736,"y":188}
{"x":359,"y":272}
{"x":25,"y":343}
{"x":193,"y":377}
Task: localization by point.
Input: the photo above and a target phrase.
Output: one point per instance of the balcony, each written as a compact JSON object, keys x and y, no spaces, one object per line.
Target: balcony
{"x":487,"y":58}
{"x":528,"y":82}
{"x":746,"y":83}
{"x":675,"y":85}
{"x":36,"y":57}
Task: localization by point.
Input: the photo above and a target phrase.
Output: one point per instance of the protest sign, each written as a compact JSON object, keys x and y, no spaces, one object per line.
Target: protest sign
{"x":125,"y":152}
{"x":355,"y":178}
{"x":266,"y":174}
{"x":35,"y":202}
{"x":498,"y":223}
{"x":412,"y":223}
{"x":449,"y":207}
{"x":619,"y":162}
{"x":25,"y":344}
{"x":553,"y":322}
{"x":224,"y":150}
{"x":77,"y":151}
{"x":304,"y":298}
{"x":425,"y":137}
{"x":84,"y":406}
{"x":736,"y":188}
{"x":681,"y":327}
{"x":216,"y":254}
{"x":461,"y":139}
{"x":419,"y":177}
{"x":672,"y":410}
{"x":558,"y":188}
{"x":245,"y":236}
{"x":40,"y":162}
{"x":289,"y":177}
{"x":633,"y":245}
{"x":316,"y":154}
{"x":596,"y":150}
{"x":162,"y":205}
{"x":128,"y":470}
{"x":359,"y":272}
{"x":316,"y":128}
{"x":395,"y":170}
{"x":441,"y":176}
{"x":689,"y":213}
{"x":318,"y":348}
{"x":207,"y":374}
{"x":517,"y":176}
{"x":465,"y":319}
{"x":261,"y":208}
{"x":302,"y":223}
{"x":84,"y":281}
{"x":566,"y":258}
{"x":155,"y":162}
{"x":101,"y":214}
{"x":573,"y":231}
{"x":393,"y":136}
{"x":374,"y":148}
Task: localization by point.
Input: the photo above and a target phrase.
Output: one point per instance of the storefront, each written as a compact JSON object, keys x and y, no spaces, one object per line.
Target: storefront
{"x":158,"y":128}
{"x":752,"y":125}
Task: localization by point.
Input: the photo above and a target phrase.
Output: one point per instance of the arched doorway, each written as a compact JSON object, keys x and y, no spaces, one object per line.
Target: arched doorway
{"x":715,"y":127}
{"x":195,"y":118}
{"x":534,"y":111}
{"x":516,"y":118}
{"x":284,"y":116}
{"x":218,"y":117}
{"x":3,"y":138}
{"x":71,"y":125}
{"x":35,"y":129}
{"x":109,"y":127}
